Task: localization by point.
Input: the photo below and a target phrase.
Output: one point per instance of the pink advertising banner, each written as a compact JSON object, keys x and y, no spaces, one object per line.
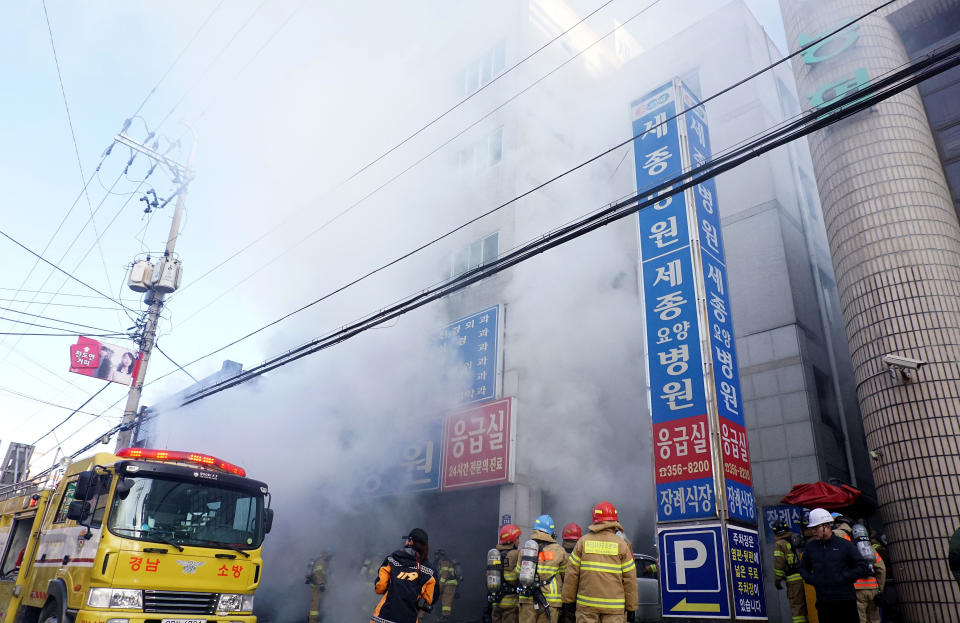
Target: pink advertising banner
{"x":104,"y":361}
{"x":478,"y":446}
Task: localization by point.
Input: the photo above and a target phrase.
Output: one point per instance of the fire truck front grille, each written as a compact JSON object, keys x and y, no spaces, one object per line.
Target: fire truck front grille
{"x":179,"y":602}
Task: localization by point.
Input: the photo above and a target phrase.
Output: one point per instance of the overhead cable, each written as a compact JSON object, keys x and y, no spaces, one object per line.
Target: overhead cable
{"x":524,"y":194}
{"x":438,"y":118}
{"x":813,"y":120}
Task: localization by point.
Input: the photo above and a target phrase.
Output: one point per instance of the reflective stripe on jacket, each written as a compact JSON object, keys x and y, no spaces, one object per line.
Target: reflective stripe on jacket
{"x":880,"y":569}
{"x":784,"y":557}
{"x":551,"y":566}
{"x":510,"y":576}
{"x":601,"y":575}
{"x":446,"y":573}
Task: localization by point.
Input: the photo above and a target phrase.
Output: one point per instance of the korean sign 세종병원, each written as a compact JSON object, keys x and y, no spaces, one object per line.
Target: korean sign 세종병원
{"x":683,"y":468}
{"x":417,"y":465}
{"x":682,"y":261}
{"x":737,"y":474}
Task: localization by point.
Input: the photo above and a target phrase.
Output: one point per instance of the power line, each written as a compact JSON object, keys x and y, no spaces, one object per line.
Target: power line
{"x":176,"y":60}
{"x":73,"y":136}
{"x":97,"y":169}
{"x":813,"y":120}
{"x":516,"y":198}
{"x":87,"y":326}
{"x":410,"y":167}
{"x":50,"y":292}
{"x":49,"y":303}
{"x":42,"y":401}
{"x":107,"y":152}
{"x":181,"y":368}
{"x":45,"y":260}
{"x":819,"y":113}
{"x":74,"y":412}
{"x":67,"y":329}
{"x":477,"y":92}
{"x":212,"y":62}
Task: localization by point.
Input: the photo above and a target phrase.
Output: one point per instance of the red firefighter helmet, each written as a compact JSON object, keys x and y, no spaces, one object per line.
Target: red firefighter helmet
{"x":572,"y":532}
{"x":509,"y":534}
{"x":604,"y":511}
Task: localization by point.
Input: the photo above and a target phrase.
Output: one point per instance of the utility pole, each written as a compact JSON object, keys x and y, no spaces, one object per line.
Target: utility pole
{"x":153,"y":296}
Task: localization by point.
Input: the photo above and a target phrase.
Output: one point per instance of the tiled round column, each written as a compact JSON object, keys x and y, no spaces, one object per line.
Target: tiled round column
{"x":895,"y":241}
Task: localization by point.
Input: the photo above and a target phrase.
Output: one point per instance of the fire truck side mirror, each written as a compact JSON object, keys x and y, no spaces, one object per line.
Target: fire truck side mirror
{"x":78,"y":510}
{"x":86,"y":486}
{"x":267,"y":520}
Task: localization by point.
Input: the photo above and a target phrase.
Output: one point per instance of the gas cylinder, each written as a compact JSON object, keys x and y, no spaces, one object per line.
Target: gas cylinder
{"x":528,"y":563}
{"x":494,"y":571}
{"x":862,"y":538}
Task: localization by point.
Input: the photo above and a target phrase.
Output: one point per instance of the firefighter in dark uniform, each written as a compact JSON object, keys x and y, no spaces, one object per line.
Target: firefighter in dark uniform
{"x":317,"y":579}
{"x":448,"y":582}
{"x":507,"y":610}
{"x":785,"y":570}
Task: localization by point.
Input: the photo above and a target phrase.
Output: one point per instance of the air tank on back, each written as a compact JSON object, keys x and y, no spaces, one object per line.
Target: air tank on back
{"x":494,"y":574}
{"x":528,"y":563}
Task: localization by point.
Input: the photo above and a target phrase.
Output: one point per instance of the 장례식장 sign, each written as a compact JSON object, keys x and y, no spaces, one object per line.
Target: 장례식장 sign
{"x":478,"y":445}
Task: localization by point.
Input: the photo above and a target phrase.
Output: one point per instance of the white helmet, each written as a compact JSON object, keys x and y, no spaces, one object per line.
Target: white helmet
{"x":819,"y":516}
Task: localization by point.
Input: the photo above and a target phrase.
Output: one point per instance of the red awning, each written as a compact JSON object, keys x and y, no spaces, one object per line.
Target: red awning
{"x":838,"y":498}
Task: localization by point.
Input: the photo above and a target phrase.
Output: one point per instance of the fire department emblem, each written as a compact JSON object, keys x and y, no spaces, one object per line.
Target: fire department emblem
{"x":190,"y":566}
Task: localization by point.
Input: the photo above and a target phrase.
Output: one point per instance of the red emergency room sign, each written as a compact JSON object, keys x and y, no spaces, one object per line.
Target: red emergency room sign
{"x":476,"y":445}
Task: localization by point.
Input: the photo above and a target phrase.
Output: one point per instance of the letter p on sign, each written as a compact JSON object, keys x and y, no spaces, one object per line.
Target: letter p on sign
{"x":688,"y":555}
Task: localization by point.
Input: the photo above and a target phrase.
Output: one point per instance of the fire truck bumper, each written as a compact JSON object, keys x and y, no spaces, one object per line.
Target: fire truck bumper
{"x":99,"y":616}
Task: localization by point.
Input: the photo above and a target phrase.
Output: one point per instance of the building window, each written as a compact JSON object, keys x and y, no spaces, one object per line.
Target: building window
{"x":482,"y":70}
{"x":482,"y":154}
{"x":481,"y":251}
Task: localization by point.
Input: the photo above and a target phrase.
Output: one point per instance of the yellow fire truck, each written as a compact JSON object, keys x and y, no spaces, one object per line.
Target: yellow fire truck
{"x":140,"y":536}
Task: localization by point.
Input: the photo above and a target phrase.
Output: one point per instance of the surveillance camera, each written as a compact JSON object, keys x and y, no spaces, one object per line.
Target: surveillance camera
{"x":903,"y":362}
{"x":876,"y":454}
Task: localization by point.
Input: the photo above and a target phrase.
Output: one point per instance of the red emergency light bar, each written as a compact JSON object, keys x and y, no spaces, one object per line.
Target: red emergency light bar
{"x":175,"y":455}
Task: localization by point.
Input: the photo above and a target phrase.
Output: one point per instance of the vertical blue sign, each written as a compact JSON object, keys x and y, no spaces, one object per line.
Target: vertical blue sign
{"x":693,"y":579}
{"x":738,"y":476}
{"x":674,"y":359}
{"x":747,"y":582}
{"x":472,"y":347}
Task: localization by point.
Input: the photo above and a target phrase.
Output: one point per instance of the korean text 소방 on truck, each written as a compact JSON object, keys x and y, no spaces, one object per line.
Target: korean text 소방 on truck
{"x":141,"y":536}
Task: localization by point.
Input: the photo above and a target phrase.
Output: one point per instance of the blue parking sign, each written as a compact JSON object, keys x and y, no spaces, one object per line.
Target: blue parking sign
{"x":693,"y":578}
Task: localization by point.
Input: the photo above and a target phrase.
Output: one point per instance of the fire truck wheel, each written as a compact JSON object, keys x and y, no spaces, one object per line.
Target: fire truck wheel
{"x":50,"y":613}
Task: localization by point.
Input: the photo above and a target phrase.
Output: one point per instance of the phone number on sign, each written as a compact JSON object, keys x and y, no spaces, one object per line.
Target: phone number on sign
{"x":678,"y":469}
{"x":736,"y":470}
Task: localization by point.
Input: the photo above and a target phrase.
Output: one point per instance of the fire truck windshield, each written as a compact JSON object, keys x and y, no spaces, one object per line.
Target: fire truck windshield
{"x":182,"y":513}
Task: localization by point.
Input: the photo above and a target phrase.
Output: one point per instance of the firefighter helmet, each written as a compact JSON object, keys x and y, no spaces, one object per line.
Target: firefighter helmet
{"x":544,"y":523}
{"x":780,"y":527}
{"x":509,"y":534}
{"x":572,"y":532}
{"x":604,"y":511}
{"x":818,"y":517}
